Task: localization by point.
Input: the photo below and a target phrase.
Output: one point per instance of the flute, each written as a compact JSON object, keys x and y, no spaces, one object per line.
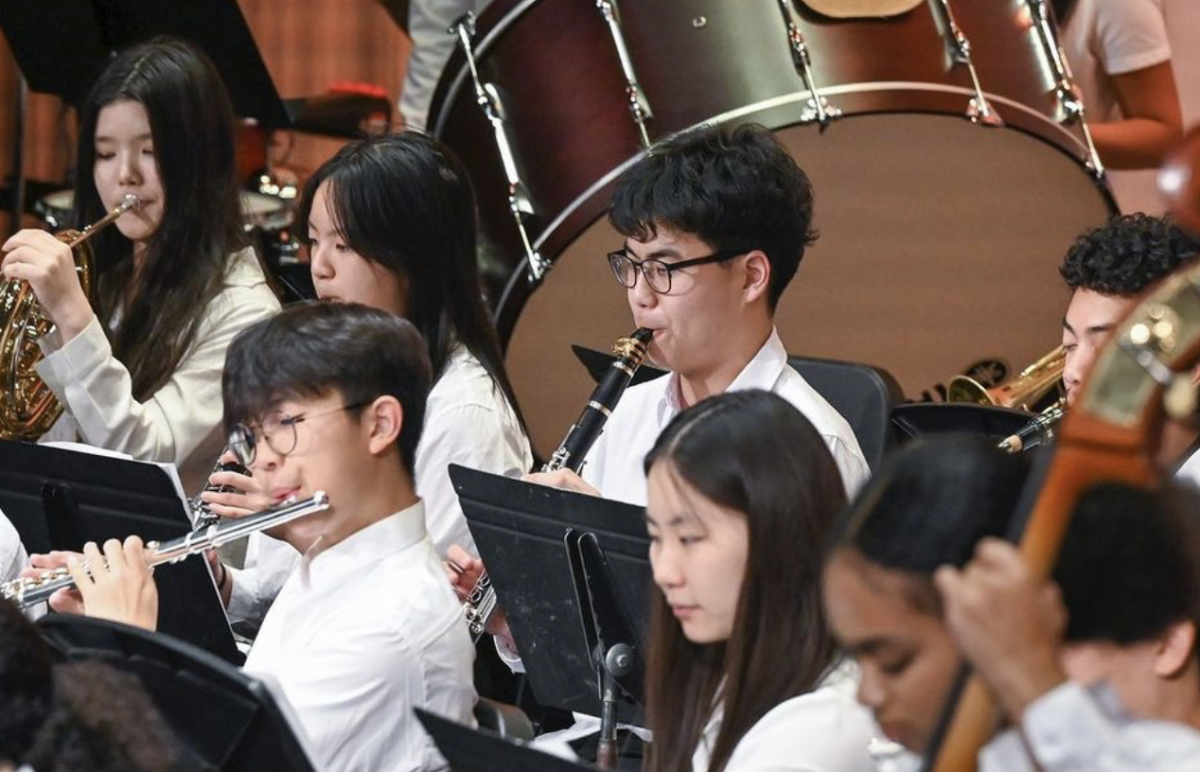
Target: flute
{"x":25,"y":592}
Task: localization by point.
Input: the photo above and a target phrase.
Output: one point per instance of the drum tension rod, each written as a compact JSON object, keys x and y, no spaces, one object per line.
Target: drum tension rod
{"x":487,"y":96}
{"x":639,"y":105}
{"x":979,"y":110}
{"x":1064,"y":81}
{"x":818,"y":108}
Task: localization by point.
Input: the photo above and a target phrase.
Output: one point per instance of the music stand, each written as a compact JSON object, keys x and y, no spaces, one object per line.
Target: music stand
{"x":472,"y":750}
{"x":95,"y":498}
{"x":225,"y":719}
{"x":62,"y":45}
{"x":523,"y":532}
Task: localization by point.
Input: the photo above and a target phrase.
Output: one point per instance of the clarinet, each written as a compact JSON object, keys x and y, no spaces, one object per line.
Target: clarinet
{"x":1038,"y":431}
{"x":481,"y":603}
{"x":202,"y":514}
{"x":28,"y":592}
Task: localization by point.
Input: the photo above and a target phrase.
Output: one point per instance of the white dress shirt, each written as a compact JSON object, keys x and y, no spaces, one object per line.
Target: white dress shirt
{"x":1072,"y":728}
{"x":614,"y":465}
{"x":12,"y":551}
{"x":469,"y":422}
{"x":1076,"y":729}
{"x":362,"y":633}
{"x":825,"y":730}
{"x":181,"y":422}
{"x":432,"y":46}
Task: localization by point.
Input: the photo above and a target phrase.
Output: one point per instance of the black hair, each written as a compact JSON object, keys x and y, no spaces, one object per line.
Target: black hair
{"x":192,"y":125}
{"x":102,"y":720}
{"x":1130,"y":564}
{"x":736,"y":189}
{"x":311,"y":349}
{"x":405,"y":202}
{"x":752,"y":452}
{"x":73,"y":717}
{"x":1126,"y":255}
{"x":25,"y":673}
{"x":931,"y":504}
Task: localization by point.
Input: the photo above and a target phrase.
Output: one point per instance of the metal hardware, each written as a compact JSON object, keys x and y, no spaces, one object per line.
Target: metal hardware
{"x":979,"y":109}
{"x":1064,"y":83}
{"x":639,"y":106}
{"x":818,"y":107}
{"x":487,"y":96}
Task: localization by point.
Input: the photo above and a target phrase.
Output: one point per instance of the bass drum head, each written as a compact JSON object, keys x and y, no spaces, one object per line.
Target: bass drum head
{"x":939,"y":245}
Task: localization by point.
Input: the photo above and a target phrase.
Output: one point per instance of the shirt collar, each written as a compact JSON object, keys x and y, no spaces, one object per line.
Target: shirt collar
{"x":761,"y":372}
{"x":385,"y":538}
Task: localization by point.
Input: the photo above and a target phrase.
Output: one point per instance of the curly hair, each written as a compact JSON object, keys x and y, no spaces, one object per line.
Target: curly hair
{"x":1126,"y":255}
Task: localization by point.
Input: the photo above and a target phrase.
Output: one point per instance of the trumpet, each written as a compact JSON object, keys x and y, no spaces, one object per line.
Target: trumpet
{"x":27,"y":592}
{"x":27,"y":406}
{"x":1022,"y":392}
{"x":481,"y":603}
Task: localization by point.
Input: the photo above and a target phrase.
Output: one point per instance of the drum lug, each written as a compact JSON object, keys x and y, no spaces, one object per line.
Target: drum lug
{"x":979,"y":109}
{"x":818,"y":107}
{"x":487,"y":96}
{"x":1064,"y":83}
{"x":639,"y":105}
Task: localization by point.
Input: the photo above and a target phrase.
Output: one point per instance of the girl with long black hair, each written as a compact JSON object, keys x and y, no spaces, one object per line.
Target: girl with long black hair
{"x":742,"y":672}
{"x":138,"y":367}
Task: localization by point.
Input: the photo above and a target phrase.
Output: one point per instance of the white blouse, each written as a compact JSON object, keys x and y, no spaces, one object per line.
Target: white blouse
{"x":825,"y":730}
{"x":181,"y":422}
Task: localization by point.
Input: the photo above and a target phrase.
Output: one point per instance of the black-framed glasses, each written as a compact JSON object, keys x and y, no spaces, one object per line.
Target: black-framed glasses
{"x":278,"y":430}
{"x":657,"y":272}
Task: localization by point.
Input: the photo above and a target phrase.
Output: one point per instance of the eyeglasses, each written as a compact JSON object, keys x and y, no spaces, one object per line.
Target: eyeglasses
{"x":277,"y":429}
{"x":657,"y":272}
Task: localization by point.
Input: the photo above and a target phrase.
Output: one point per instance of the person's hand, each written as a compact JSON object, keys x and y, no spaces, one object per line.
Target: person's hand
{"x":561,"y":478}
{"x":1007,"y":622}
{"x":65,"y":601}
{"x":464,"y":569}
{"x":118,"y":584}
{"x":241,"y":494}
{"x":49,"y":266}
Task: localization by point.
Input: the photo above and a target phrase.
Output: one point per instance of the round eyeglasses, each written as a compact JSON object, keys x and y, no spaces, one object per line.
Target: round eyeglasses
{"x":277,"y":429}
{"x":657,"y":272}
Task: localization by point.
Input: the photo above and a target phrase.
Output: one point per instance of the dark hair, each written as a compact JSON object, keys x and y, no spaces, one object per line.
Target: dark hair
{"x":1126,"y":255}
{"x":1130,"y":564}
{"x":25,"y":672}
{"x":311,"y":349}
{"x":929,"y":505}
{"x":735,"y":189}
{"x":72,"y":717}
{"x":101,"y":721}
{"x":192,"y":126}
{"x":753,"y":452}
{"x":405,"y":201}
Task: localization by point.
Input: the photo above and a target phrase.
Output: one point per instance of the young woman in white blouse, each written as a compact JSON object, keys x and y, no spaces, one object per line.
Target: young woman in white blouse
{"x":138,"y":367}
{"x":742,"y":673}
{"x":391,"y":224}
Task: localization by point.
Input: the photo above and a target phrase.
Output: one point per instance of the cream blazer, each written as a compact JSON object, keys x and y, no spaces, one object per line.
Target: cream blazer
{"x":181,"y":422}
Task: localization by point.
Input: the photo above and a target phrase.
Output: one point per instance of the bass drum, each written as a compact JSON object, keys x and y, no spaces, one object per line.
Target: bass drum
{"x":940,"y":237}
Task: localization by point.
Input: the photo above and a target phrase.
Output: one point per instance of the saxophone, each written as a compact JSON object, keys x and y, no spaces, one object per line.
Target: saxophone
{"x":481,"y":603}
{"x":28,"y":592}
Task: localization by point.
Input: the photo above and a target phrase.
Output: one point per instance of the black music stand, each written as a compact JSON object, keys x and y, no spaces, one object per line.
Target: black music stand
{"x":62,"y":45}
{"x":472,"y":750}
{"x":920,"y":418}
{"x":224,"y":719}
{"x":60,"y":499}
{"x":573,"y":574}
